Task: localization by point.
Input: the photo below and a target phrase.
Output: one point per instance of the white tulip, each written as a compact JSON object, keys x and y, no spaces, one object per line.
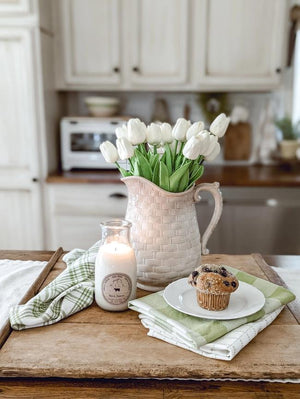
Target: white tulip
{"x":194,"y":129}
{"x":125,"y":148}
{"x":121,"y":131}
{"x":109,"y":152}
{"x":166,"y":132}
{"x":153,"y":134}
{"x":214,"y":153}
{"x":219,"y":125}
{"x":136,"y":131}
{"x":192,"y":147}
{"x":204,"y":138}
{"x":180,"y":129}
{"x":211,"y":145}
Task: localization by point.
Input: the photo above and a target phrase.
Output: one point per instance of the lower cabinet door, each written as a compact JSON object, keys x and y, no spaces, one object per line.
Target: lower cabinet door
{"x":21,"y":221}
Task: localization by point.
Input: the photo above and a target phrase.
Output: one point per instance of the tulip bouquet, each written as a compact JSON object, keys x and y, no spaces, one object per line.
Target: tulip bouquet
{"x":170,"y":158}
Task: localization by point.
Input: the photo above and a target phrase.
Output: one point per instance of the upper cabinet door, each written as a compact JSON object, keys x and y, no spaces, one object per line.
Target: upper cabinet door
{"x":239,"y":44}
{"x":90,"y":47}
{"x":158,"y":44}
{"x":15,"y":7}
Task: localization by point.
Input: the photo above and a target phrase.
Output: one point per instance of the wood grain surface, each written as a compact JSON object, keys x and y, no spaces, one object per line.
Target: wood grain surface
{"x":146,"y":389}
{"x":276,"y":279}
{"x":237,"y":142}
{"x":36,"y":285}
{"x":242,"y":176}
{"x":99,"y":344}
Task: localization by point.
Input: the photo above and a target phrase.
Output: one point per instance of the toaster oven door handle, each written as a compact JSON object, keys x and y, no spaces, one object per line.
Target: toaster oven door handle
{"x":117,"y":195}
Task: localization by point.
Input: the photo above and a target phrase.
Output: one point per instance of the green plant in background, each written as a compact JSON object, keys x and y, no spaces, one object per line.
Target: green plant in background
{"x":170,"y":158}
{"x":288,"y":130}
{"x":212,"y":104}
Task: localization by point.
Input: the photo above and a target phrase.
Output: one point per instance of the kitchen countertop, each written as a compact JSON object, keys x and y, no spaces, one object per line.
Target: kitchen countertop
{"x":240,"y":176}
{"x":114,"y":350}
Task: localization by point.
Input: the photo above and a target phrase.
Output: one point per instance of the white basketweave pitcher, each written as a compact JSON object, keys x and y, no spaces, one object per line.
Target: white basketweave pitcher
{"x":165,"y":233}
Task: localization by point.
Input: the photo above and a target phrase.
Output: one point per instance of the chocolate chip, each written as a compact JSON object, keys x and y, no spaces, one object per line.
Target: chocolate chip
{"x":226,"y":283}
{"x":223,"y":273}
{"x":233,"y":283}
{"x":195,"y":273}
{"x":206,"y":269}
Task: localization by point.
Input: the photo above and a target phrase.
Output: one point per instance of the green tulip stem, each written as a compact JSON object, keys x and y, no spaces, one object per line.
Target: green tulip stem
{"x":175,"y":150}
{"x":131,"y":164}
{"x":119,"y":167}
{"x":154,"y":149}
{"x":181,"y":147}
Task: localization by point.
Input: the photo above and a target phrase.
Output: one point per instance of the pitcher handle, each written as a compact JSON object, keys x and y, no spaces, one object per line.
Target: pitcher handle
{"x":213,"y":188}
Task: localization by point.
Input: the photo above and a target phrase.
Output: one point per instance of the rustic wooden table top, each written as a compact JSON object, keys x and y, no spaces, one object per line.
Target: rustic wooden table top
{"x":98,"y":344}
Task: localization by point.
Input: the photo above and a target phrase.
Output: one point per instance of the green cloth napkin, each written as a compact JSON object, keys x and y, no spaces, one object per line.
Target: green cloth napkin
{"x":70,"y":292}
{"x":203,"y":336}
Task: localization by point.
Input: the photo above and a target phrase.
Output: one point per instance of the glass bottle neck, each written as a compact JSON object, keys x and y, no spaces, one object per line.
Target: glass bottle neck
{"x":116,"y":231}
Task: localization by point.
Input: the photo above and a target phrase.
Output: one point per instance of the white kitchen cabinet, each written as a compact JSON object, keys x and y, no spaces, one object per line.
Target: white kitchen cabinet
{"x":76,"y":210}
{"x":239,"y":44}
{"x":20,"y":193}
{"x":207,"y":45}
{"x":15,"y":7}
{"x":88,"y":51}
{"x":158,"y":42}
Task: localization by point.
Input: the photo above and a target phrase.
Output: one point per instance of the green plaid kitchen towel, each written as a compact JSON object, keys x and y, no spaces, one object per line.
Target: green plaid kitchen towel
{"x":218,"y":339}
{"x":71,"y":291}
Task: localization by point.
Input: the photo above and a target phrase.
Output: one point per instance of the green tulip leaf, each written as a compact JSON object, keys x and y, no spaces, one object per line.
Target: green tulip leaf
{"x":196,"y":172}
{"x":168,"y":160}
{"x":196,"y":176}
{"x":163,"y":176}
{"x":153,"y":160}
{"x":143,"y":165}
{"x":184,"y":182}
{"x":136,"y":170}
{"x":155,"y":174}
{"x":124,"y":172}
{"x":178,"y":161}
{"x":177,"y":176}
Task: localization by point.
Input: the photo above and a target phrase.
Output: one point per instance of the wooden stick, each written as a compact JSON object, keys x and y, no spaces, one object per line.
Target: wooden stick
{"x":32,"y":291}
{"x":276,"y":279}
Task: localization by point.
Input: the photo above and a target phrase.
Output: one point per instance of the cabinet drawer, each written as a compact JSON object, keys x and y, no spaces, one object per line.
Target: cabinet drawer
{"x":76,"y":210}
{"x":93,"y":200}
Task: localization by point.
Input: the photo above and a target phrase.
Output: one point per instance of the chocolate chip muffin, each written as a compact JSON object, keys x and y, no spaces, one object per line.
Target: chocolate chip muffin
{"x":213,"y":284}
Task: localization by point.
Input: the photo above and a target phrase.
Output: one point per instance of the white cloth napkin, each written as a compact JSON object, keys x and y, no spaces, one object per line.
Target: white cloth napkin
{"x":291,"y":277}
{"x":16,"y":277}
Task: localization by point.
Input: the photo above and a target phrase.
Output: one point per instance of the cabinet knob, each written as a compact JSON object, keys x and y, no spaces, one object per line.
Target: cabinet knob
{"x":35,"y":179}
{"x":118,"y":195}
{"x":136,"y":69}
{"x":278,"y":70}
{"x":116,"y":69}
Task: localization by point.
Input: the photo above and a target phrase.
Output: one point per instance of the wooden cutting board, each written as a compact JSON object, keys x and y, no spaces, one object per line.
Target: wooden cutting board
{"x":35,"y":286}
{"x":237,"y":142}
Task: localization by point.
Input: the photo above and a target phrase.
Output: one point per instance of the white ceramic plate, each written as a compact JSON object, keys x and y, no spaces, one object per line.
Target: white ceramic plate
{"x":244,"y":301}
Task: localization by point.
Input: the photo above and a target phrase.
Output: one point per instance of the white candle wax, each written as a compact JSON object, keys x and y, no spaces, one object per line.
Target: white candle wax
{"x":115,"y":276}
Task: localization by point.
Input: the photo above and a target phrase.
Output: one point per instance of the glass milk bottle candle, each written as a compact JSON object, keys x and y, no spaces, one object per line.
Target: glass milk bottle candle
{"x":115,"y":267}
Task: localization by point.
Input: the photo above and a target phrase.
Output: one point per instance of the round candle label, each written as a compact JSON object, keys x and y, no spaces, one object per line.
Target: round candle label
{"x":116,"y":288}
